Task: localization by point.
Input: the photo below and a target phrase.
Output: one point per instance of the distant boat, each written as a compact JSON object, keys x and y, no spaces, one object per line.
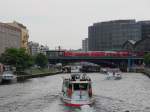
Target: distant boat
{"x":8,"y":76}
{"x":77,"y":90}
{"x":0,"y":78}
{"x":114,"y":74}
{"x":118,"y":76}
{"x":1,"y":71}
{"x":109,"y":75}
{"x":104,"y":71}
{"x":75,"y":69}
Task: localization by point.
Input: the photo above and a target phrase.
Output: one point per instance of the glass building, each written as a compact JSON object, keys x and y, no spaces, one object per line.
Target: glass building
{"x":111,"y":35}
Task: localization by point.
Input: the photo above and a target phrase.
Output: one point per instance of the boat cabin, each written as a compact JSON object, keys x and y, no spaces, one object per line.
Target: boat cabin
{"x":77,"y":86}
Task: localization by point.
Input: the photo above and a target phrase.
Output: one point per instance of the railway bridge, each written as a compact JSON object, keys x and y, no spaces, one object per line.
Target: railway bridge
{"x":104,"y":61}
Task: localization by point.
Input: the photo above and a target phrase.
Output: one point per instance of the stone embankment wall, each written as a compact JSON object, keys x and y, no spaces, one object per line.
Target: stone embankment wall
{"x":28,"y":76}
{"x":146,"y":71}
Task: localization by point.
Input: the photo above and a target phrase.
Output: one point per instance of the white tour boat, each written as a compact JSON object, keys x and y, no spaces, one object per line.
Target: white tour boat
{"x":75,"y":69}
{"x":0,"y":78}
{"x":77,"y":90}
{"x":8,"y":76}
{"x":114,"y":74}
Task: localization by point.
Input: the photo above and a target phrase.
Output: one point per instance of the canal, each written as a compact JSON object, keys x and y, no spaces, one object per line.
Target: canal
{"x":131,"y":93}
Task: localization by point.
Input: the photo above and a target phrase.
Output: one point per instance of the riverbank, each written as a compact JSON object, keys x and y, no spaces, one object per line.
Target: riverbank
{"x":34,"y":73}
{"x":146,"y":71}
{"x":143,"y":70}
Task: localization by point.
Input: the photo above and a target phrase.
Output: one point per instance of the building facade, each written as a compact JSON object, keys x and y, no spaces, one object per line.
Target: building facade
{"x":85,"y":45}
{"x":24,"y":33}
{"x":143,"y":45}
{"x":129,"y":45}
{"x":44,"y":49}
{"x":35,"y":48}
{"x":111,"y":35}
{"x":145,"y":28}
{"x":9,"y":37}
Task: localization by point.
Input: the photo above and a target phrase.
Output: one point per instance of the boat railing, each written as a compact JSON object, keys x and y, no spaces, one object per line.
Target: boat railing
{"x":79,"y":77}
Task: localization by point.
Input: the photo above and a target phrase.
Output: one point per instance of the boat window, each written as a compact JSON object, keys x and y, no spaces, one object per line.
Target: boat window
{"x":82,"y":86}
{"x":66,"y":83}
{"x":90,"y":86}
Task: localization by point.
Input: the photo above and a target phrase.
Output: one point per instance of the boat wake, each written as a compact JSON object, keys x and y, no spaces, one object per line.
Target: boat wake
{"x":87,"y":108}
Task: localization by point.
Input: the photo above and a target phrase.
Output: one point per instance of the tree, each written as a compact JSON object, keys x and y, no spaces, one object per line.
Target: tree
{"x":41,"y":60}
{"x":147,"y":59}
{"x":17,"y":58}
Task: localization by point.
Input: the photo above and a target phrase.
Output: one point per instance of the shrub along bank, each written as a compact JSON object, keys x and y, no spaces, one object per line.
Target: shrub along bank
{"x":33,"y":73}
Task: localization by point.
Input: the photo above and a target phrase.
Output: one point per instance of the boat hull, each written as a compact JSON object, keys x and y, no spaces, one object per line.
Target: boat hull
{"x":0,"y":81}
{"x":77,"y":103}
{"x":12,"y":79}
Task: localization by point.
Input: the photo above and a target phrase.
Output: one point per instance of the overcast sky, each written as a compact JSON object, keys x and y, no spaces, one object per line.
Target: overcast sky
{"x":65,"y":22}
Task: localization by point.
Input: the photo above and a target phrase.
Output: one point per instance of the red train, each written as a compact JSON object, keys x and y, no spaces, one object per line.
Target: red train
{"x":103,"y":53}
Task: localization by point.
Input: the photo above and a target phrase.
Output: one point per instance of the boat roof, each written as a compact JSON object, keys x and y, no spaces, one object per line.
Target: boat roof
{"x":78,"y":78}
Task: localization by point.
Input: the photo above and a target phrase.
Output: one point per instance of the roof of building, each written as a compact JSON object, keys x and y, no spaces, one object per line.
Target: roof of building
{"x":17,"y":24}
{"x":133,"y":42}
{"x":125,"y":21}
{"x":144,"y":22}
{"x":9,"y":26}
{"x":138,"y":42}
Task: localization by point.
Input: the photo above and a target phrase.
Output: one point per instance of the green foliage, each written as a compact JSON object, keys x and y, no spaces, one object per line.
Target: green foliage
{"x":41,"y":60}
{"x":147,"y":59}
{"x":17,"y":58}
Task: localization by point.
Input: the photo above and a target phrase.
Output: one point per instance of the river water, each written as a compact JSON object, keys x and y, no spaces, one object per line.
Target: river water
{"x":131,"y":93}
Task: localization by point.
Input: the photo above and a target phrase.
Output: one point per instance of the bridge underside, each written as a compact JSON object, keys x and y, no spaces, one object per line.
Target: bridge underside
{"x":103,"y":62}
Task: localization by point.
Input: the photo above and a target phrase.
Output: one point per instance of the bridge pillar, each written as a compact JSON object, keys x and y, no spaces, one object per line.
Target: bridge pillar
{"x":129,"y":64}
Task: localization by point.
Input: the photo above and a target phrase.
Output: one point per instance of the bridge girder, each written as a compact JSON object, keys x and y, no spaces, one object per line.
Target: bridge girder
{"x":103,"y":61}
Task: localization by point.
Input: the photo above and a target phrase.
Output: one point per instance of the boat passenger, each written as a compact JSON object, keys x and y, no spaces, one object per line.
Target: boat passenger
{"x":113,"y":73}
{"x":73,"y":77}
{"x":88,"y":78}
{"x":84,"y":77}
{"x":90,"y":92}
{"x":69,"y":90}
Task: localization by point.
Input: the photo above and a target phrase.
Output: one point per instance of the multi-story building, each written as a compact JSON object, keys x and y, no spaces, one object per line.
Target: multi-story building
{"x":145,"y":28}
{"x":129,"y":45}
{"x":44,"y":49}
{"x":35,"y":48}
{"x":9,"y":37}
{"x":143,"y":45}
{"x":24,"y":33}
{"x":111,"y":35}
{"x":85,"y":44}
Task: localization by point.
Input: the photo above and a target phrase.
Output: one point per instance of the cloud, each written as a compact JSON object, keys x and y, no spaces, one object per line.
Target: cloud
{"x":23,"y":8}
{"x":56,"y":22}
